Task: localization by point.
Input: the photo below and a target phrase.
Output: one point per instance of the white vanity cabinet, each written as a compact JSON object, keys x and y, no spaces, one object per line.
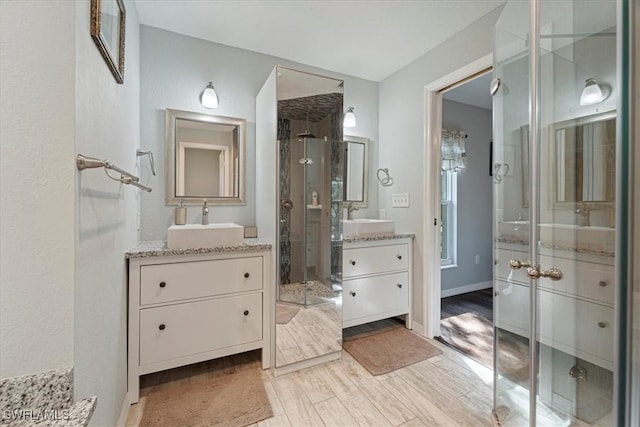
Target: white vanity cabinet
{"x":190,"y":308}
{"x":376,"y":280}
{"x":576,"y":313}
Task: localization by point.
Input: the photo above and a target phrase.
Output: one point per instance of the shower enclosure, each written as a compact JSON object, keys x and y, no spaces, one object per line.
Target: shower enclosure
{"x":557,"y":280}
{"x":310,"y":208}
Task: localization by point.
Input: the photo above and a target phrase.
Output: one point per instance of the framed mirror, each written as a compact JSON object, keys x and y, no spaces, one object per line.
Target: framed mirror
{"x":356,"y":171}
{"x":584,"y":161}
{"x":205,"y":156}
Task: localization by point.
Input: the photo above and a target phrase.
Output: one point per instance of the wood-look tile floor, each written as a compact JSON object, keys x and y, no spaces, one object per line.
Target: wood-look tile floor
{"x":446,"y":390}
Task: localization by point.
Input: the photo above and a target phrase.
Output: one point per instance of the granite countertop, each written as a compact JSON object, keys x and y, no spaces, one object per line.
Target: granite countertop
{"x":45,"y":398}
{"x":155,"y":248}
{"x":374,"y":237}
{"x":587,"y":251}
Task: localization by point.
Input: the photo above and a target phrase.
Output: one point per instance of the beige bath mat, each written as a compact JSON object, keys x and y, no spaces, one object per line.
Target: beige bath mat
{"x":234,"y":399}
{"x":387,"y":351}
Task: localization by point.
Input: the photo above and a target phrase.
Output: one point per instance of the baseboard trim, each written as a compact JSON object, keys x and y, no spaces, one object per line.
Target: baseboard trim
{"x":124,"y":411}
{"x":465,"y":289}
{"x":418,"y":328}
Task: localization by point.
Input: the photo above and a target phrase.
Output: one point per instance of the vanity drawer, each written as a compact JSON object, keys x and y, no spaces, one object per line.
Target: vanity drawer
{"x":375,"y":259}
{"x":386,"y":295}
{"x":181,"y":330}
{"x":173,"y":282}
{"x":582,"y":279}
{"x":577,"y":327}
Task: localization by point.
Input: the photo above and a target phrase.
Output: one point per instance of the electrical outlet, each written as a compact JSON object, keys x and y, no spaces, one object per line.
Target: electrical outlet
{"x":477,"y":259}
{"x":400,"y":200}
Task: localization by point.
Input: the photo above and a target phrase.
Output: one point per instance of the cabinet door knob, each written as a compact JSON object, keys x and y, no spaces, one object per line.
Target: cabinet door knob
{"x":602,"y":324}
{"x":163,"y":284}
{"x":353,"y":294}
{"x":602,"y":283}
{"x":162,"y":326}
{"x":399,"y":285}
{"x":352,"y":262}
{"x":246,"y":312}
{"x":399,"y":256}
{"x":246,"y":275}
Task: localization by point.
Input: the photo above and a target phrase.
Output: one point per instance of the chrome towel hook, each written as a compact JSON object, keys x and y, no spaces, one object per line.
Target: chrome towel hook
{"x":385,"y":179}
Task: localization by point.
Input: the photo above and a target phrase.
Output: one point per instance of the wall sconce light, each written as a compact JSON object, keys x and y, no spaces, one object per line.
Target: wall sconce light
{"x":593,"y":93}
{"x":349,"y":118}
{"x":209,"y":97}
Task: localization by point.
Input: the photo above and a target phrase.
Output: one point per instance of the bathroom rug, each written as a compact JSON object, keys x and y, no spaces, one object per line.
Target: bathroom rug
{"x":230,"y":396}
{"x":387,"y":351}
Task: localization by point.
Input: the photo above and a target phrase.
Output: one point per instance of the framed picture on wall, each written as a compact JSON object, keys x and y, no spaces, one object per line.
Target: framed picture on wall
{"x":108,"y":18}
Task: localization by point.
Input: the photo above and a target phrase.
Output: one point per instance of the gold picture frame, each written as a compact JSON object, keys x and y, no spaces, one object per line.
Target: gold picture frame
{"x":108,"y":22}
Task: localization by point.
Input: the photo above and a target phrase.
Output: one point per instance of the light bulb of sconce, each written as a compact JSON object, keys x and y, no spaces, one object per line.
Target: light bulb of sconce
{"x":349,"y":118}
{"x":592,"y":93}
{"x":209,"y":97}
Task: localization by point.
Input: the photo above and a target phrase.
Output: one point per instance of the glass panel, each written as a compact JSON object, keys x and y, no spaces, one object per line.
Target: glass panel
{"x":310,"y":288}
{"x":511,"y":301}
{"x":576,"y":213}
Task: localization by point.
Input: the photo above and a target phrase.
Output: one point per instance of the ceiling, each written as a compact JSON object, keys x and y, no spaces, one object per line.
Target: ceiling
{"x":474,"y":92}
{"x":366,"y":39}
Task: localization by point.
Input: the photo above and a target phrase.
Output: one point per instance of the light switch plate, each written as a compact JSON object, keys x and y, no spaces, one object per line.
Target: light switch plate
{"x":400,"y":200}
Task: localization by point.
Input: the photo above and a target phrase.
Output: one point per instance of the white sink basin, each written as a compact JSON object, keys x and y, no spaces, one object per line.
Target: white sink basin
{"x":514,"y":230}
{"x":204,"y":236}
{"x":578,"y":237}
{"x":367,"y":227}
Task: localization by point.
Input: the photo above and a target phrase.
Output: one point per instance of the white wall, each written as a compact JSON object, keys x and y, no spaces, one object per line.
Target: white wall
{"x":37,"y":178}
{"x":108,"y":127}
{"x":174,"y":71}
{"x":475,"y":198}
{"x":402,"y":130}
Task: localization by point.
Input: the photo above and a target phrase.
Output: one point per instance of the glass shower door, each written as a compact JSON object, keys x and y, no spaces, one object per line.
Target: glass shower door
{"x":555,"y":185}
{"x":511,"y":214}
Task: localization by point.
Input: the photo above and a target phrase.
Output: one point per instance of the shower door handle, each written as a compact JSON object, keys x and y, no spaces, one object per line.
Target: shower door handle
{"x":287,"y":204}
{"x":552,"y":273}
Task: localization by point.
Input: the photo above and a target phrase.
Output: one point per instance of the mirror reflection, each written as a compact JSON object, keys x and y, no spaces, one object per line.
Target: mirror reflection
{"x":205,"y":158}
{"x":356,"y":170}
{"x":584,"y":160}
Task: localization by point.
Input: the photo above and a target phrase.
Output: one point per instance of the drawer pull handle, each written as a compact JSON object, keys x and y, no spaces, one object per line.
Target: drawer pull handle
{"x":399,"y":256}
{"x":352,"y":262}
{"x":353,"y":294}
{"x":399,"y":285}
{"x":246,"y":312}
{"x":602,"y":325}
{"x":602,"y":283}
{"x":246,"y":275}
{"x":162,"y":326}
{"x":163,"y":284}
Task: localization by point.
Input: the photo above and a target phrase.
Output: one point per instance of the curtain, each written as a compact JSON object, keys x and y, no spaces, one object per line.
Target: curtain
{"x":454,"y":155}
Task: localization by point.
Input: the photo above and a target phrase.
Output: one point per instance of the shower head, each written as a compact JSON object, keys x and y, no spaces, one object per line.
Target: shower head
{"x":305,"y":134}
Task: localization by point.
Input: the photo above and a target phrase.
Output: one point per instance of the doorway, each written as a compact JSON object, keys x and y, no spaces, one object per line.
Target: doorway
{"x":466,"y":260}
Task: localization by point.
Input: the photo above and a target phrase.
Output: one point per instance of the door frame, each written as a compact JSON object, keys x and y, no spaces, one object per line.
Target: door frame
{"x":431,"y":208}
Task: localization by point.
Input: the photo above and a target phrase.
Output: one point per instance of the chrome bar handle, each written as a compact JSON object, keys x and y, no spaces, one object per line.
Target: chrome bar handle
{"x":516,"y":264}
{"x":552,"y":273}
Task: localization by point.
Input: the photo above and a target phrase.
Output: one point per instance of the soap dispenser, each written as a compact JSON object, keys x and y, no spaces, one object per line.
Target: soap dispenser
{"x":180,"y":214}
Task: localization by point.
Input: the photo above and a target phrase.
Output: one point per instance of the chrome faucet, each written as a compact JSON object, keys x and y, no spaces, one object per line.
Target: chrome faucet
{"x":205,"y":214}
{"x":350,"y":210}
{"x":585,"y":212}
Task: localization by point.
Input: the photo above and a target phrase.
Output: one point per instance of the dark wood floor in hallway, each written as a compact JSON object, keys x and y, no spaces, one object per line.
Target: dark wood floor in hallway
{"x":479,"y":302}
